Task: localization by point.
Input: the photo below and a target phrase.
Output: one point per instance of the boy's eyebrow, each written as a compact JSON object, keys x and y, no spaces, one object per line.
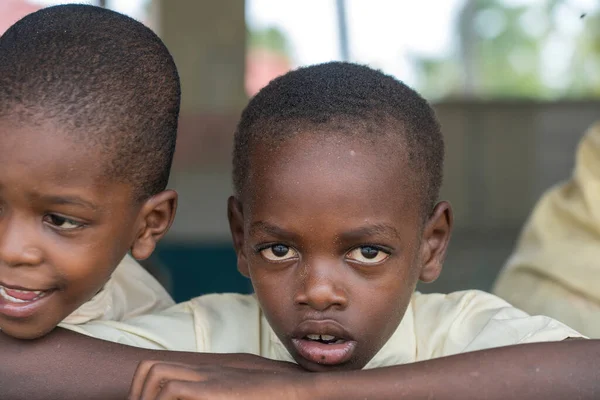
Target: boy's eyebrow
{"x":59,"y":200}
{"x":358,"y":233}
{"x":271,"y":229}
{"x":370,"y":230}
{"x":68,"y":200}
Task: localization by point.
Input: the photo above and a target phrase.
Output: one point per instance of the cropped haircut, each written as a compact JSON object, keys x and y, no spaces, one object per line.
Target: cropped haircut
{"x":341,"y":98}
{"x":105,"y":79}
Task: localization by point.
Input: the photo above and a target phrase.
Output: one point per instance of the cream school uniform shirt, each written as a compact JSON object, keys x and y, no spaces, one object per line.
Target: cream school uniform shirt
{"x":435,"y":325}
{"x":131,"y":291}
{"x":555,"y":268}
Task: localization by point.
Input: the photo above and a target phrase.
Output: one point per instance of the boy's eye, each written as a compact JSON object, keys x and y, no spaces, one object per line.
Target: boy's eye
{"x":368,"y":255}
{"x":278,"y":252}
{"x":62,"y":222}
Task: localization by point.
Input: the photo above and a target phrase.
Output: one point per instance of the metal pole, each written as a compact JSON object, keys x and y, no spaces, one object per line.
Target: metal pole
{"x":468,"y":49}
{"x":102,"y":3}
{"x":343,"y":29}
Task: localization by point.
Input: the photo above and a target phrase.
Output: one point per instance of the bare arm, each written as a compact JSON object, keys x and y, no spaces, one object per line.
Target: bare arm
{"x":544,"y":371}
{"x":564,"y":370}
{"x":66,"y":365}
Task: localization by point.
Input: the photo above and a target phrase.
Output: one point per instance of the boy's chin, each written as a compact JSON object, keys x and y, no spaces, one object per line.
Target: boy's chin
{"x":350,"y":365}
{"x":313,"y":367}
{"x":25,"y":330}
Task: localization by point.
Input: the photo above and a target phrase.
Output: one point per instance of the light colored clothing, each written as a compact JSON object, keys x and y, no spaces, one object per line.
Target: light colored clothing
{"x":130,"y":292}
{"x":434,"y":325}
{"x":555,"y":269}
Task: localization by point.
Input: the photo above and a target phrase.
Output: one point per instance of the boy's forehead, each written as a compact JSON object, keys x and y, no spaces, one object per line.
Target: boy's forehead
{"x":332,"y":154}
{"x":42,"y":165}
{"x":46,"y":148}
{"x":330,"y":168}
{"x":32,"y":134}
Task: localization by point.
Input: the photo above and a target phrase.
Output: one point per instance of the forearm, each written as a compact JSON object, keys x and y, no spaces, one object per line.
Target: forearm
{"x":545,"y":371}
{"x":65,"y":365}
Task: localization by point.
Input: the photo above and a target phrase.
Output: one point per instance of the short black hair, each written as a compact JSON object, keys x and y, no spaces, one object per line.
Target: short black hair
{"x":365,"y":102}
{"x":101,"y":75}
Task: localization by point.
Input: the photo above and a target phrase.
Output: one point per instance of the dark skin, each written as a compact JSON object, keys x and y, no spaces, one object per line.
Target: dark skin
{"x":563,"y":370}
{"x":334,"y":243}
{"x":64,"y":365}
{"x":330,"y":231}
{"x":60,"y":233}
{"x":317,"y":203}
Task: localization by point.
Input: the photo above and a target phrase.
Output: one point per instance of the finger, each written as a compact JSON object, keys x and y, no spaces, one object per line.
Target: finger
{"x":139,"y":378}
{"x":161,"y":374}
{"x":183,"y":390}
{"x":155,"y":375}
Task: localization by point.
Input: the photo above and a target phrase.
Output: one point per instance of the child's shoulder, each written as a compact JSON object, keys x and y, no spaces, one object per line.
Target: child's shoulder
{"x":474,"y":320}
{"x":468,"y":309}
{"x":225,"y":303}
{"x":456,"y":305}
{"x":457,"y":300}
{"x":130,"y":292}
{"x":227,"y":323}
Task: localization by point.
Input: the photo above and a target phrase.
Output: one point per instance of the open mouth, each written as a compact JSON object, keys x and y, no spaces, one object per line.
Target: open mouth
{"x":22,"y":296}
{"x":322,"y":342}
{"x":324,"y":349}
{"x":325,"y":339}
{"x":22,"y":303}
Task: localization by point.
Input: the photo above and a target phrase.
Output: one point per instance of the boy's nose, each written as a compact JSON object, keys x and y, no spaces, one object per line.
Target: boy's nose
{"x":321,"y":286}
{"x":17,"y":247}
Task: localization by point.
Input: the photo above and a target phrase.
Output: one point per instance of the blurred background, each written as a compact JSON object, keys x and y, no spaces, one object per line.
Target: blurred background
{"x":515,"y":84}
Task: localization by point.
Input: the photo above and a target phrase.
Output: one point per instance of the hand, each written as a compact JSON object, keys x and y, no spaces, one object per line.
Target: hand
{"x":175,"y":381}
{"x":244,"y":361}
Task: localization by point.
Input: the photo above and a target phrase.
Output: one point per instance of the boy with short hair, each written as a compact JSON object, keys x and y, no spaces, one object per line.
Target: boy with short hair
{"x":89,"y":102}
{"x":335,"y":218}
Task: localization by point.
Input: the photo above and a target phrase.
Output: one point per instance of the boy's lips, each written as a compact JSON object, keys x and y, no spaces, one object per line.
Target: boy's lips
{"x":19,"y":302}
{"x":323,"y":342}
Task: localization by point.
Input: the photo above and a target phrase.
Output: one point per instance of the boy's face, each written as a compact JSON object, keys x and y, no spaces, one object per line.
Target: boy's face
{"x":64,"y":227}
{"x":332,"y":235}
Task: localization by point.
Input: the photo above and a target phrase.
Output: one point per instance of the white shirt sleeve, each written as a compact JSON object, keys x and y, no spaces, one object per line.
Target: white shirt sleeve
{"x":215,"y":323}
{"x":172,"y":329}
{"x":131,"y":291}
{"x":472,"y":320}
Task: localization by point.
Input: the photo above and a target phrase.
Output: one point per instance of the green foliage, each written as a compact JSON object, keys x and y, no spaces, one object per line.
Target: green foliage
{"x":505,"y":52}
{"x":268,"y":38}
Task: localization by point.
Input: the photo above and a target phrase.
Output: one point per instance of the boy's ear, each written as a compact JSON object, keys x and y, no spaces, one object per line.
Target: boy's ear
{"x":436,"y":236}
{"x":236,"y":225}
{"x":155,"y":218}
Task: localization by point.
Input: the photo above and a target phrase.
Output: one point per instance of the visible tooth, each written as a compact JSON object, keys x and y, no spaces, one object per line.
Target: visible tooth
{"x":327,"y":337}
{"x":314,"y":337}
{"x":27,"y":291}
{"x":9,"y":297}
{"x":39,"y":294}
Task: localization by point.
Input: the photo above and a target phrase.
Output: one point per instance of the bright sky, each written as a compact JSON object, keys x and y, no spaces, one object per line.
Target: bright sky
{"x":130,"y":7}
{"x":385,"y":33}
{"x":382,"y":33}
